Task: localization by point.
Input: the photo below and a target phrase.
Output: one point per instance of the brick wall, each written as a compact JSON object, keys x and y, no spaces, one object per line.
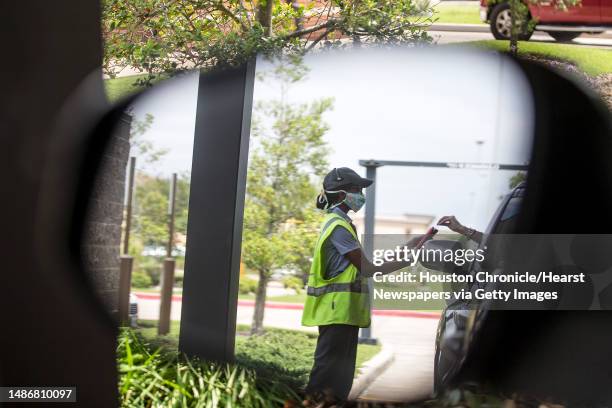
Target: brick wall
{"x":101,"y":247}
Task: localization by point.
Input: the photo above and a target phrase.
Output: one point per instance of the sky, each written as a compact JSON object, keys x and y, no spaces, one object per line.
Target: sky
{"x":447,"y":105}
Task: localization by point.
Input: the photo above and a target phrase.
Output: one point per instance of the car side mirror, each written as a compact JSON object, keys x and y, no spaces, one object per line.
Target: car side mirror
{"x":435,"y":260}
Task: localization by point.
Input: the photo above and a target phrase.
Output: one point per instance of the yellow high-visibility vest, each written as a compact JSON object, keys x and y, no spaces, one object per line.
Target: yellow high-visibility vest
{"x":342,"y":299}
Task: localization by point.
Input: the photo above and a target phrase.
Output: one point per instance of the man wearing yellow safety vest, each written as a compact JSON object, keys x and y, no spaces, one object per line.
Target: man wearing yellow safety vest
{"x":337,"y":298}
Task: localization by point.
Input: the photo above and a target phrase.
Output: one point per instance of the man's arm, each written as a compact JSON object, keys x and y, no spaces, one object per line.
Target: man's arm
{"x":367,"y":268}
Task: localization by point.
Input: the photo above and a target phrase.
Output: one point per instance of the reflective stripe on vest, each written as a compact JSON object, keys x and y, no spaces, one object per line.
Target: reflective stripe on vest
{"x":356,"y":287}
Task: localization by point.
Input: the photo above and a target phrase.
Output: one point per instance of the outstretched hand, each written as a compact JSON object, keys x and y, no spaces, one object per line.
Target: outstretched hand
{"x":419,"y":240}
{"x":414,"y":241}
{"x":451,"y":223}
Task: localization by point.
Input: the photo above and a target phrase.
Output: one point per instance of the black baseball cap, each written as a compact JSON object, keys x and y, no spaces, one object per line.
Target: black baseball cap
{"x":343,"y":177}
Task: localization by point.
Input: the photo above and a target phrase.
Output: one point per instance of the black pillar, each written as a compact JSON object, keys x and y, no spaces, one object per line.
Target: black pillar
{"x":216,"y":203}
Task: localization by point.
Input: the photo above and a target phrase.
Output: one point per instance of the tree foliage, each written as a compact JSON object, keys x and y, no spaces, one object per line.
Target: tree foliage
{"x":147,"y":154}
{"x":280,"y":223}
{"x":150,"y":222}
{"x":151,"y":191}
{"x":517,"y":179}
{"x":166,"y":36}
{"x":522,"y":21}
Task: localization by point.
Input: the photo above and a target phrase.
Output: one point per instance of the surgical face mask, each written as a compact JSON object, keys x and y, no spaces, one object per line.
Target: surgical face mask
{"x":354,"y":201}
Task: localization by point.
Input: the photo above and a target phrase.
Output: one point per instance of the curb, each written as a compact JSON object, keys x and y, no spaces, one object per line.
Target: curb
{"x":484,"y":28}
{"x":155,"y":296}
{"x":296,"y":306}
{"x":370,"y":370}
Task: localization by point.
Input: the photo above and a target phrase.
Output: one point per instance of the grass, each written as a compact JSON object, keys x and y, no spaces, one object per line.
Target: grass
{"x":448,"y":13}
{"x":117,"y":88}
{"x":294,"y":298}
{"x":366,"y":352}
{"x":592,"y":61}
{"x":148,"y":329}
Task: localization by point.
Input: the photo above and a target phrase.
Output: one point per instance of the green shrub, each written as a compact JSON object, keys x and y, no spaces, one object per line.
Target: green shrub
{"x":285,"y":355}
{"x":279,"y":355}
{"x":160,"y":378}
{"x":293,"y":282}
{"x":152,"y":267}
{"x":141,"y":280}
{"x":180,"y":262}
{"x":247,"y":285}
{"x":178,"y":281}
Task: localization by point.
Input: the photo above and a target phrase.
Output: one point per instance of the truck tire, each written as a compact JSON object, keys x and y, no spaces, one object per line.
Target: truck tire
{"x":564,"y":36}
{"x":501,"y":23}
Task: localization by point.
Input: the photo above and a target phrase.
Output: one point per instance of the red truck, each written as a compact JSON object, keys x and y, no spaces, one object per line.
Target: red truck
{"x":592,"y":16}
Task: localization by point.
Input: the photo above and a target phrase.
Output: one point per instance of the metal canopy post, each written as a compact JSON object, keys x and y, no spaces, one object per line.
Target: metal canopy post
{"x":448,"y":165}
{"x":368,"y":239}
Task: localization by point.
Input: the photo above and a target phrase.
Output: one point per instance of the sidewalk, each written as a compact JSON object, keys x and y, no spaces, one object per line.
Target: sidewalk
{"x":463,"y":28}
{"x":409,"y":377}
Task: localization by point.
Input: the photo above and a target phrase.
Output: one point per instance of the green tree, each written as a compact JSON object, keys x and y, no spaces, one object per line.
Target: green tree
{"x":289,"y":153}
{"x":141,"y":147}
{"x":151,"y":190}
{"x":308,"y":231}
{"x":521,"y":22}
{"x":166,"y":36}
{"x":517,"y":179}
{"x":151,"y":208}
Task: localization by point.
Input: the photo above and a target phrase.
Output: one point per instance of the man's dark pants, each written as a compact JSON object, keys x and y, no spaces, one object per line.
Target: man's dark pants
{"x":334,"y":361}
